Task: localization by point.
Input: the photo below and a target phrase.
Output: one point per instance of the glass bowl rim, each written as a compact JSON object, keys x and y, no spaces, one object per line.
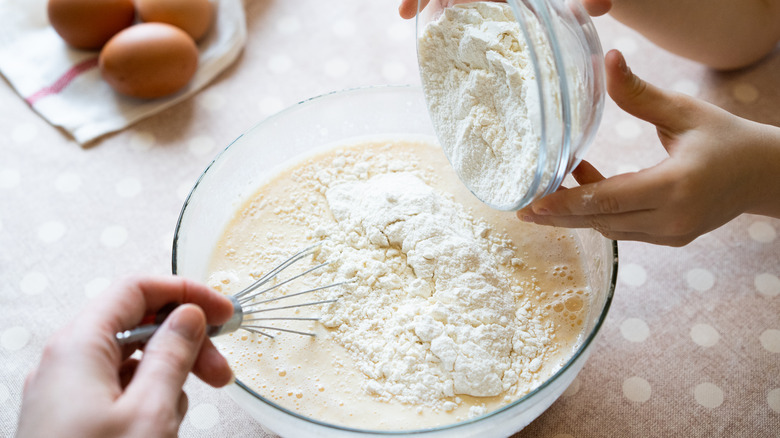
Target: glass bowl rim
{"x":568,"y":364}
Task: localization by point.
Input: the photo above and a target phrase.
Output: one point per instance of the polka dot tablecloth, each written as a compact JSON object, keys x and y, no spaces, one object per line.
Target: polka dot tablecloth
{"x":691,"y":346}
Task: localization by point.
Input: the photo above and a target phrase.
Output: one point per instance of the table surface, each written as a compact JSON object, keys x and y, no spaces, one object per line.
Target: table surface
{"x":691,"y":346}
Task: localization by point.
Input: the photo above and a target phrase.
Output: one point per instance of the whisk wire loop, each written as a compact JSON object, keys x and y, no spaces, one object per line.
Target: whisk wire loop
{"x":245,"y":303}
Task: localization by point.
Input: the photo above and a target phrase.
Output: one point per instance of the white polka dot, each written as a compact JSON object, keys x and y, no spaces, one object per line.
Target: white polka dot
{"x":5,"y":394}
{"x":627,"y":45}
{"x":704,"y":335}
{"x":204,"y":416}
{"x":128,"y":187}
{"x":51,"y":231}
{"x":15,"y":338}
{"x":9,"y":178}
{"x":637,"y":389}
{"x":212,"y":100}
{"x":33,"y":283}
{"x":24,"y":133}
{"x":708,"y":395}
{"x":280,"y":64}
{"x":270,"y":105}
{"x":767,"y":284}
{"x":700,"y":279}
{"x":632,"y":274}
{"x":96,"y":286}
{"x":141,"y":141}
{"x":573,"y":389}
{"x":634,"y":330}
{"x":628,"y":128}
{"x":762,"y":232}
{"x":685,"y":86}
{"x":201,"y":145}
{"x":113,"y":236}
{"x":336,"y":67}
{"x":288,"y":25}
{"x":745,"y":93}
{"x":67,"y":182}
{"x":773,"y":398}
{"x":394,"y":71}
{"x":344,"y":28}
{"x":770,"y":340}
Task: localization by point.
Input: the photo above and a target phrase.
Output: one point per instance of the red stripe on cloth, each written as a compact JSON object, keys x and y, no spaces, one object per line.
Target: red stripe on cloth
{"x":63,"y":80}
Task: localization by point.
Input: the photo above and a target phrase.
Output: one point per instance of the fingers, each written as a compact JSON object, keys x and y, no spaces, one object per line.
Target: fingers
{"x":649,"y":226}
{"x":668,"y":111}
{"x":408,"y":8}
{"x":183,"y":405}
{"x":643,"y":190}
{"x":131,"y":300}
{"x":168,"y":358}
{"x":597,"y":8}
{"x":585,"y":173}
{"x":211,"y":367}
{"x":126,"y":372}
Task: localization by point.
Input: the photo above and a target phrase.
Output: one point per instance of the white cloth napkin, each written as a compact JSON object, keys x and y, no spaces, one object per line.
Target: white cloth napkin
{"x":64,"y":85}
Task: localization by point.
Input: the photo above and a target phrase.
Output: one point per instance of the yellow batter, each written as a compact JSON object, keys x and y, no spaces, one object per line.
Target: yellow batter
{"x":319,"y":376}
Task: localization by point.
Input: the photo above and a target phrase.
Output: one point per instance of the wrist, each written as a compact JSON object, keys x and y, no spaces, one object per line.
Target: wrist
{"x":766,"y":158}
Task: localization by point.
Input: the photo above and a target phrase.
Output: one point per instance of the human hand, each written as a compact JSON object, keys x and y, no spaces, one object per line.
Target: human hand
{"x":86,"y":385}
{"x":408,"y":8}
{"x":719,"y":166}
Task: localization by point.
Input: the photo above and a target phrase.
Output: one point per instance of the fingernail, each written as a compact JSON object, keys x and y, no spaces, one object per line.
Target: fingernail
{"x":232,"y":379}
{"x":188,"y":324}
{"x":526,"y":218}
{"x":542,"y":211}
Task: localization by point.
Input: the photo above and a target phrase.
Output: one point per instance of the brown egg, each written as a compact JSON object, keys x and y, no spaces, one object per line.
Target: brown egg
{"x":149,"y":60}
{"x":193,"y":16}
{"x":88,"y":24}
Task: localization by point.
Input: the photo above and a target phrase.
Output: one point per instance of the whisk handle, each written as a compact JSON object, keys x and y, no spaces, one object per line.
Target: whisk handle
{"x":138,"y":334}
{"x":144,"y":332}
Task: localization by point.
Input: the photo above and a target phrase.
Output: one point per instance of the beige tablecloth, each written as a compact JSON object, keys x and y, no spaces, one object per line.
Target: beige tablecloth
{"x":691,"y":346}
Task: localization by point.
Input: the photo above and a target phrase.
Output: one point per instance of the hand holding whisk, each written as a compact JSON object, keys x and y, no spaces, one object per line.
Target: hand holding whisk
{"x":246,"y":307}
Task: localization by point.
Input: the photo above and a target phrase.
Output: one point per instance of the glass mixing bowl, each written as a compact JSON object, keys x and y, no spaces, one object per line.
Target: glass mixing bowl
{"x":336,"y":118}
{"x":565,"y":100}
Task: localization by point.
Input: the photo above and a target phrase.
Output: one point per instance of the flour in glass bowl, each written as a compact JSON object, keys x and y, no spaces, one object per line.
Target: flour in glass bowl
{"x":448,"y":315}
{"x":481,"y":89}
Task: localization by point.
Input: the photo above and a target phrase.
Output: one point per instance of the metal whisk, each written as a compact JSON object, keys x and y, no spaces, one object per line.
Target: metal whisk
{"x":245,"y":304}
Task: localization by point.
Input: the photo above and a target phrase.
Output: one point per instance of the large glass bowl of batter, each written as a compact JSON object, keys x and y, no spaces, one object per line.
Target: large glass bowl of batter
{"x":563,"y":92}
{"x":334,"y":118}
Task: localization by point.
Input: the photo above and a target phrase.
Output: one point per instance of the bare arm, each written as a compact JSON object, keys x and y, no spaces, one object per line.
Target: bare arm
{"x":723,"y":34}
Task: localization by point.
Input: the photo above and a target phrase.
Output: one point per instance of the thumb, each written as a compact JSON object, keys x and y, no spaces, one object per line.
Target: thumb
{"x":643,"y":100}
{"x":597,"y":8}
{"x":168,"y":357}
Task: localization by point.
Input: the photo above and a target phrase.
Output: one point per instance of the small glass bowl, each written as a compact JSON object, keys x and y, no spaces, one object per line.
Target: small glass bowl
{"x":569,"y":99}
{"x":342,"y":118}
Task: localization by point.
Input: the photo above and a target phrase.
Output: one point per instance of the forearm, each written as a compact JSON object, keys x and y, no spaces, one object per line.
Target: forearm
{"x":767,"y":166}
{"x":723,"y":34}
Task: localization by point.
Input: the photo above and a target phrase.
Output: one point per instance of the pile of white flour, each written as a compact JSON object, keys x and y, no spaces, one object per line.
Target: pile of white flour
{"x":436,"y":312}
{"x":480,"y":86}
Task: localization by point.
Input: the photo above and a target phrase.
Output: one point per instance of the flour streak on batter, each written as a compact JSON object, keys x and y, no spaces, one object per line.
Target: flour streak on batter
{"x":455,"y":310}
